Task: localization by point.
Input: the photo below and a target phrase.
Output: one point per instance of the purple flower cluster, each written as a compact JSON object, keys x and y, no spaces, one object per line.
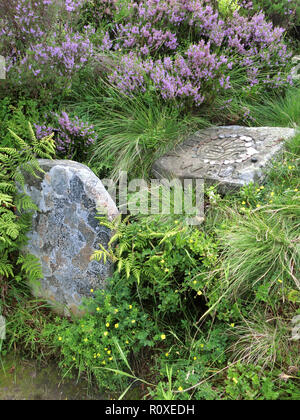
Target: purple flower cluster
{"x":187,"y":76}
{"x":73,"y":137}
{"x":247,"y":43}
{"x":41,"y":49}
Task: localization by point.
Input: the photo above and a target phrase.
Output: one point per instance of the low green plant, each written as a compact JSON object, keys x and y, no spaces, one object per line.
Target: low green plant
{"x":132,"y":130}
{"x":162,"y":260}
{"x":16,"y":207}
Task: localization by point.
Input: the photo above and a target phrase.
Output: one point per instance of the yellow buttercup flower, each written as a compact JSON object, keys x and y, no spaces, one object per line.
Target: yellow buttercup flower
{"x":180,"y":388}
{"x":163,"y":336}
{"x":116,"y":325}
{"x":107,"y":324}
{"x":199,"y":293}
{"x":108,"y":351}
{"x":279,"y":281}
{"x":130,"y":306}
{"x":85,"y":340}
{"x":167,"y":354}
{"x":59,"y":338}
{"x":232,"y":325}
{"x":116,"y":311}
{"x":195,"y":358}
{"x":272,"y":194}
{"x":98,"y":309}
{"x":92,"y":290}
{"x":105,"y":333}
{"x":235,"y":380}
{"x":133,"y":321}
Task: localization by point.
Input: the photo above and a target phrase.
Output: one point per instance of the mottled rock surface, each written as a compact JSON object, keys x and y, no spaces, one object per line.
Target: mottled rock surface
{"x":229,"y":156}
{"x":65,"y":232}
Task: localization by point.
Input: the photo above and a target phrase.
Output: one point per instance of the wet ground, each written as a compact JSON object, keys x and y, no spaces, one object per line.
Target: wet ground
{"x":26,"y":380}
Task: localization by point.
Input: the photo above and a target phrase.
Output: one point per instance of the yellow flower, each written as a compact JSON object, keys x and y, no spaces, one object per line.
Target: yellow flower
{"x":85,"y":340}
{"x":176,"y":222}
{"x":116,"y":325}
{"x":272,"y":194}
{"x":59,"y":338}
{"x":110,"y":358}
{"x":262,"y":187}
{"x":130,"y":306}
{"x":167,"y":354}
{"x":199,"y":293}
{"x":243,"y":202}
{"x":166,"y":270}
{"x":133,"y":321}
{"x":105,"y":333}
{"x":290,"y":167}
{"x":127,"y":342}
{"x":271,"y":201}
{"x":103,"y":362}
{"x":296,"y":190}
{"x":98,"y":354}
{"x":108,"y":351}
{"x":195,"y":281}
{"x":73,"y":358}
{"x":92,"y":290}
{"x":258,"y":206}
{"x":98,"y":309}
{"x":195,"y":358}
{"x":180,"y":388}
{"x":107,"y":324}
{"x":162,"y":261}
{"x":235,"y":380}
{"x":116,"y":311}
{"x":163,"y":337}
{"x":95,"y":356}
{"x":232,"y":325}
{"x":279,"y":281}
{"x":202,"y":346}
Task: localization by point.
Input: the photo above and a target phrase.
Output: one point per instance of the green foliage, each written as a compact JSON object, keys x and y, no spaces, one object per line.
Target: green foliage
{"x":113,"y":331}
{"x":282,"y":12}
{"x":15,"y":116}
{"x":132,"y":130}
{"x":16,"y":208}
{"x":163,"y":259}
{"x":249,"y":382}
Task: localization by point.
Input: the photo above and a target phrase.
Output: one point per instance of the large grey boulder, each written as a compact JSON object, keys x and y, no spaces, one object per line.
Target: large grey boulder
{"x":65,"y":232}
{"x":228,"y":156}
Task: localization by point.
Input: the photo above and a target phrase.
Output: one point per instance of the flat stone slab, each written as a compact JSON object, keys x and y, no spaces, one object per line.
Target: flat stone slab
{"x":65,"y":232}
{"x":229,"y":156}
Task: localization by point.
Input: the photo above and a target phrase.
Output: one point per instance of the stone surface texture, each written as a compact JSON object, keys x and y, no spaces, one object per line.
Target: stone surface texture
{"x":65,"y":232}
{"x":229,"y":156}
{"x":295,"y":73}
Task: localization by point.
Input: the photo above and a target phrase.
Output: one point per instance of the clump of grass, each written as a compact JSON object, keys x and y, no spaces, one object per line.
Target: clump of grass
{"x":132,"y":130}
{"x":264,"y":340}
{"x":281,"y":109}
{"x":263,"y":247}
